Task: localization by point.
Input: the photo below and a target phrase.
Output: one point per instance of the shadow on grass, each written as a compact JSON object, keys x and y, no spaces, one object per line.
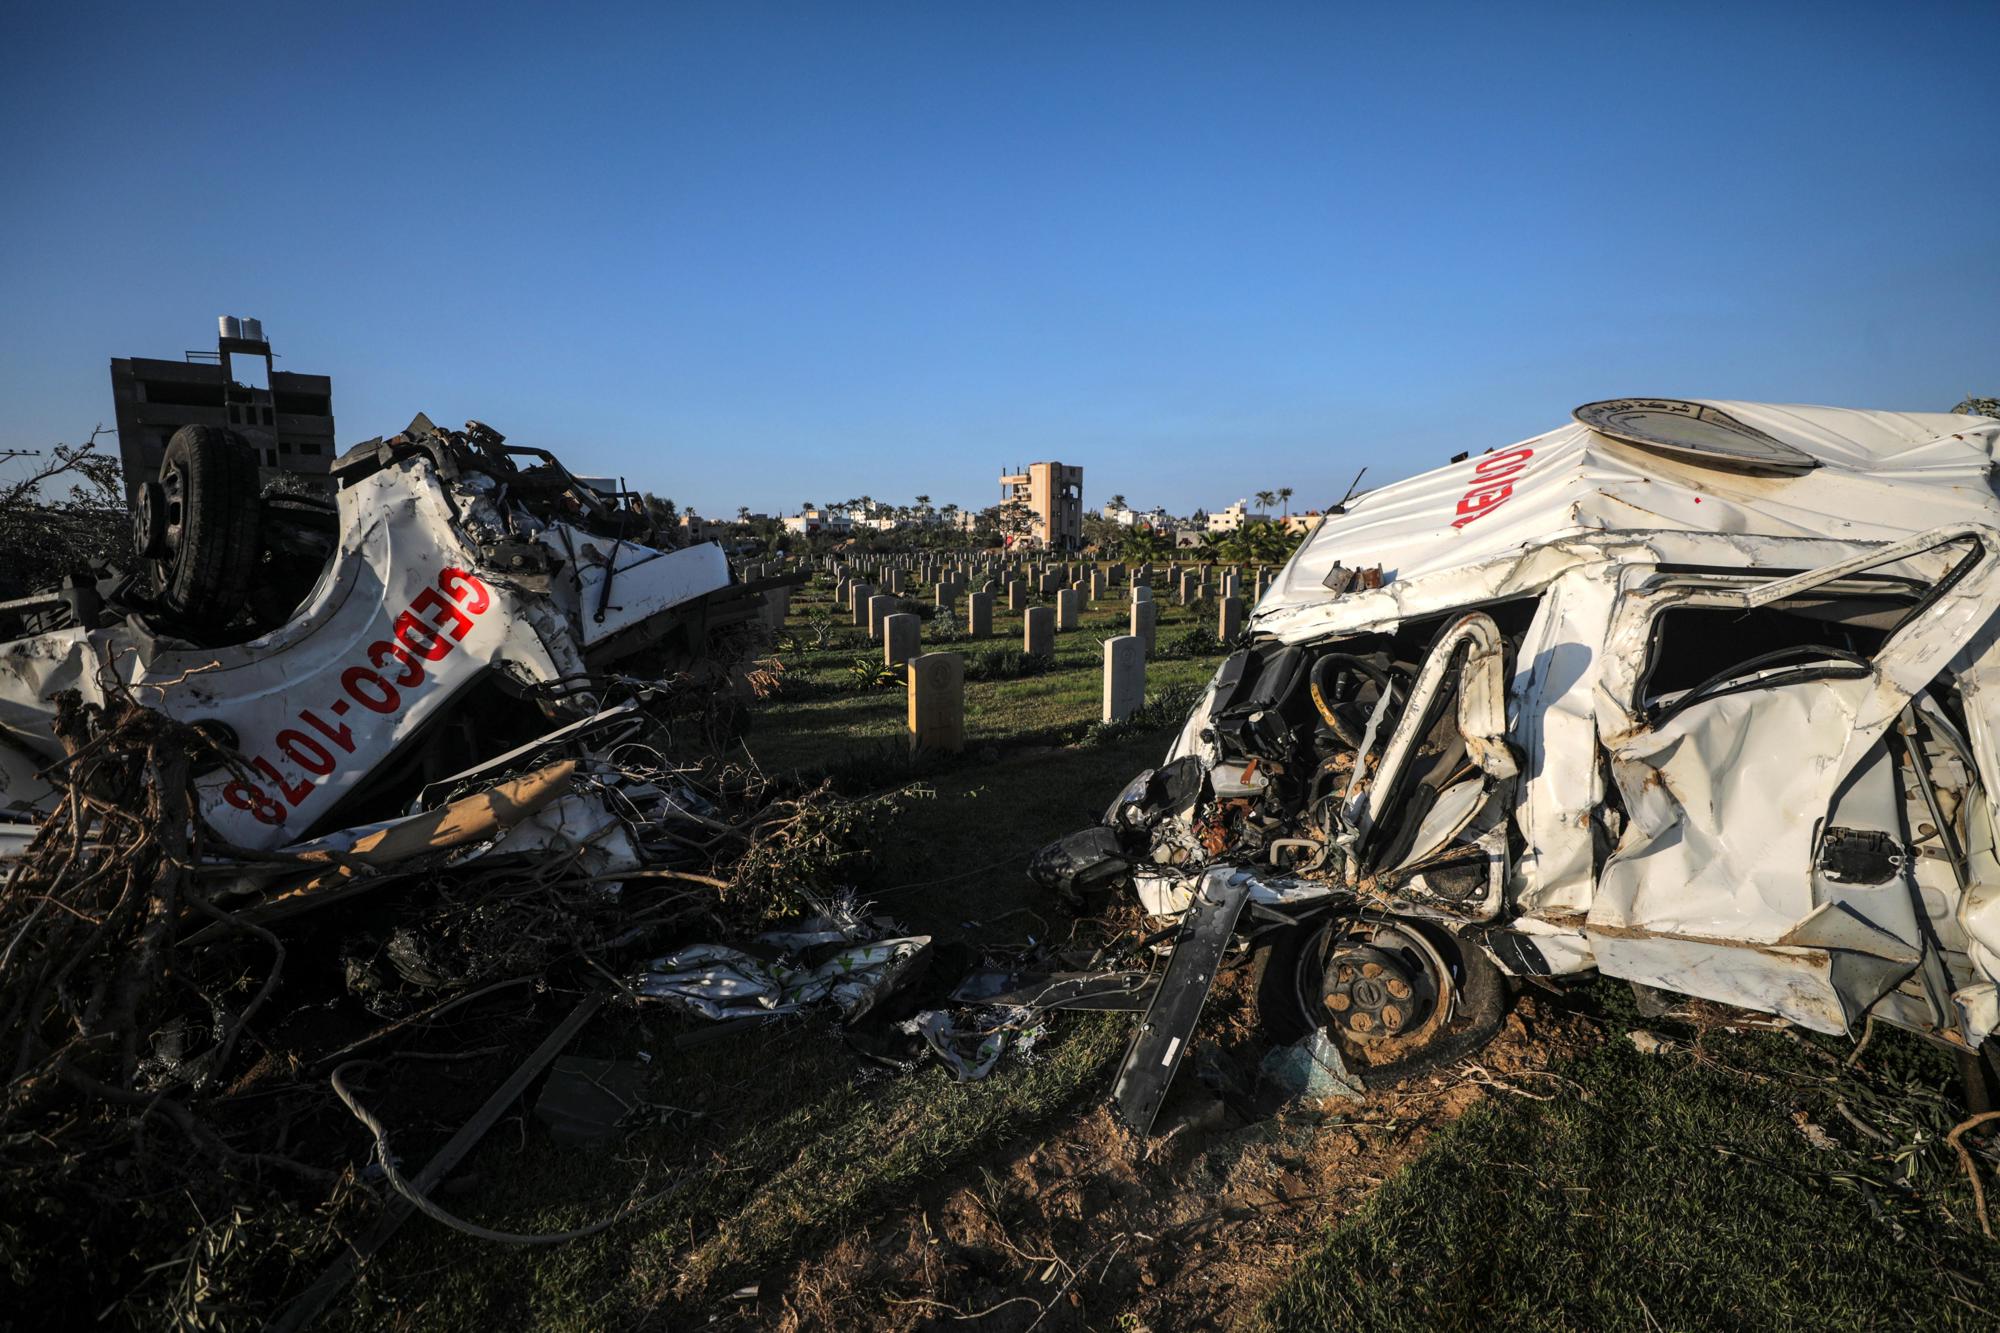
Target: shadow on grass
{"x":1683,"y":1191}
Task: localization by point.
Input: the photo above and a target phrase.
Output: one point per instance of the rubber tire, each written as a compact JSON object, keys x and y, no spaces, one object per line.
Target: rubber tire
{"x":205,"y":582}
{"x":1482,"y":1004}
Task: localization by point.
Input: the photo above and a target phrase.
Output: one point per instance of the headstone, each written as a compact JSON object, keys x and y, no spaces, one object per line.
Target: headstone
{"x":880,"y":608}
{"x":937,"y":702}
{"x":900,"y":635}
{"x":1145,"y":623}
{"x":1124,"y":676}
{"x":979,"y":615}
{"x":857,"y":598}
{"x":1142,"y":592}
{"x":1190,"y":587}
{"x":1229,"y":619}
{"x":1069,"y":609}
{"x":1038,"y":631}
{"x":1017,"y":594}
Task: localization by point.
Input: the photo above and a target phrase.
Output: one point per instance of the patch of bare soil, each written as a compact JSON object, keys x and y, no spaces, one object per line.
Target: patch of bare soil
{"x":1092,"y":1227}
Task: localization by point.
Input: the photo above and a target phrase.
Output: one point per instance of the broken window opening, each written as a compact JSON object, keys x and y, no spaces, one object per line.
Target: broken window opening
{"x":1699,"y":652}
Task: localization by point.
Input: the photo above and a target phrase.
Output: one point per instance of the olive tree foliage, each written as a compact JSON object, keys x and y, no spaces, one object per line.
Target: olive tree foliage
{"x":65,"y":514}
{"x":1979,"y":407}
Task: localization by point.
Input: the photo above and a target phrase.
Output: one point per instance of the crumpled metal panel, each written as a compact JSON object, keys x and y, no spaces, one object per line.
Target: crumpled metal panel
{"x":1555,"y":729}
{"x":644,"y":582}
{"x":1712,"y":887}
{"x":1882,"y":476}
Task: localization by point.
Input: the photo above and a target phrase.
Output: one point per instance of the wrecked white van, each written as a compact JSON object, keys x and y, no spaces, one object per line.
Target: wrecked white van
{"x":1703,"y":695}
{"x":457,"y":598}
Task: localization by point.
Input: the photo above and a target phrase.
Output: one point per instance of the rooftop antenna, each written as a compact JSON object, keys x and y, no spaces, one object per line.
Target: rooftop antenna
{"x":1341,"y":508}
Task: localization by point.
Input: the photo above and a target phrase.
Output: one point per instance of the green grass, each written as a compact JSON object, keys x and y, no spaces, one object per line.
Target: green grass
{"x":780,"y":1145}
{"x":1677,"y":1193}
{"x":836,"y":719}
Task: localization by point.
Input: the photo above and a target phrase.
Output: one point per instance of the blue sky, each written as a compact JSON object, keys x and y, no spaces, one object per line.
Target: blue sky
{"x":759,"y":254}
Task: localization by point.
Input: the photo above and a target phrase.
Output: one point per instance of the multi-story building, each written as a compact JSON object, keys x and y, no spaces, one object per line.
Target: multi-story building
{"x":1053,"y":495}
{"x":812,"y":519}
{"x":1234,"y":517}
{"x":286,"y":417}
{"x":1306,"y":522}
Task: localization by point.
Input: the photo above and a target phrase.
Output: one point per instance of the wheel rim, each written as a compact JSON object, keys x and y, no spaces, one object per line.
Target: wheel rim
{"x":1379,"y":986}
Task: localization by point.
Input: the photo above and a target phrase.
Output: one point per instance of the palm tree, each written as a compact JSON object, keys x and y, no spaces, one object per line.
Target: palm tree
{"x":743,"y":513}
{"x":1117,"y":502}
{"x":1265,"y":499}
{"x":1285,"y":494}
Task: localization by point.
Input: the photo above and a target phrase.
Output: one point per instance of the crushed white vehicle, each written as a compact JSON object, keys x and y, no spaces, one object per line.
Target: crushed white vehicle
{"x":1701,"y":695}
{"x":458,"y":599}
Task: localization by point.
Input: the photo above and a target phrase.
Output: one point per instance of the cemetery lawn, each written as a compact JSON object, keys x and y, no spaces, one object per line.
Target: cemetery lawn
{"x":768,"y":1141}
{"x":1674,"y":1190}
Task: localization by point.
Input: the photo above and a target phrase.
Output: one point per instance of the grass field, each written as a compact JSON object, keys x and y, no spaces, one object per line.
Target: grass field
{"x":778,"y":1142}
{"x":1717,"y":1184}
{"x":1713,"y":1185}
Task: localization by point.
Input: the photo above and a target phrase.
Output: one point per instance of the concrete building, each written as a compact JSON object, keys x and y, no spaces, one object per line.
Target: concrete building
{"x":287,"y":417}
{"x":1125,"y":516}
{"x":1234,"y":517}
{"x":1053,"y":495}
{"x":814,"y":519}
{"x":695,"y":528}
{"x":1305,"y":523}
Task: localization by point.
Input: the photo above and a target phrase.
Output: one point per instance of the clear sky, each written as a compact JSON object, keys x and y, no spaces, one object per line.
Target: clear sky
{"x":761,"y":254}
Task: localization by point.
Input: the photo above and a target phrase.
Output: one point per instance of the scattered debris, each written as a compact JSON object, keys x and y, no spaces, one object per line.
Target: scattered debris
{"x":1312,"y":1067}
{"x":1647,"y":1042}
{"x":455,"y":746}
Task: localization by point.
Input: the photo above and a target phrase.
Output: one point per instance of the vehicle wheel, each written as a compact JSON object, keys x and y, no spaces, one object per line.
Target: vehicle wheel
{"x":209,"y":538}
{"x":1399,"y":997}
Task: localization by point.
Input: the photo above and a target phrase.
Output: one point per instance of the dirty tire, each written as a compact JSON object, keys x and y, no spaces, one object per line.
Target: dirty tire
{"x":1480,"y":1007}
{"x":206,"y":574}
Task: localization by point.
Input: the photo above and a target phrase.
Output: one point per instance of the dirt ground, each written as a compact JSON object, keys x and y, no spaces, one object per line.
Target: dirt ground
{"x":1091,"y":1227}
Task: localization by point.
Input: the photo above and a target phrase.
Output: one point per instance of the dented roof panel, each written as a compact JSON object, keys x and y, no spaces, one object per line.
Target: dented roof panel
{"x":1881,"y":476}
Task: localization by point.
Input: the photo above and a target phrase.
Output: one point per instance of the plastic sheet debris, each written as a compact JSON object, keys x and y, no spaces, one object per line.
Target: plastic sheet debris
{"x":716,"y":981}
{"x":1312,"y":1067}
{"x":972,"y":1050}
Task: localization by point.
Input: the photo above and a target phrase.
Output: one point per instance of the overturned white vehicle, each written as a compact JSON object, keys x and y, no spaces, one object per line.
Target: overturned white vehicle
{"x":454,"y":608}
{"x":1702,"y":695}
